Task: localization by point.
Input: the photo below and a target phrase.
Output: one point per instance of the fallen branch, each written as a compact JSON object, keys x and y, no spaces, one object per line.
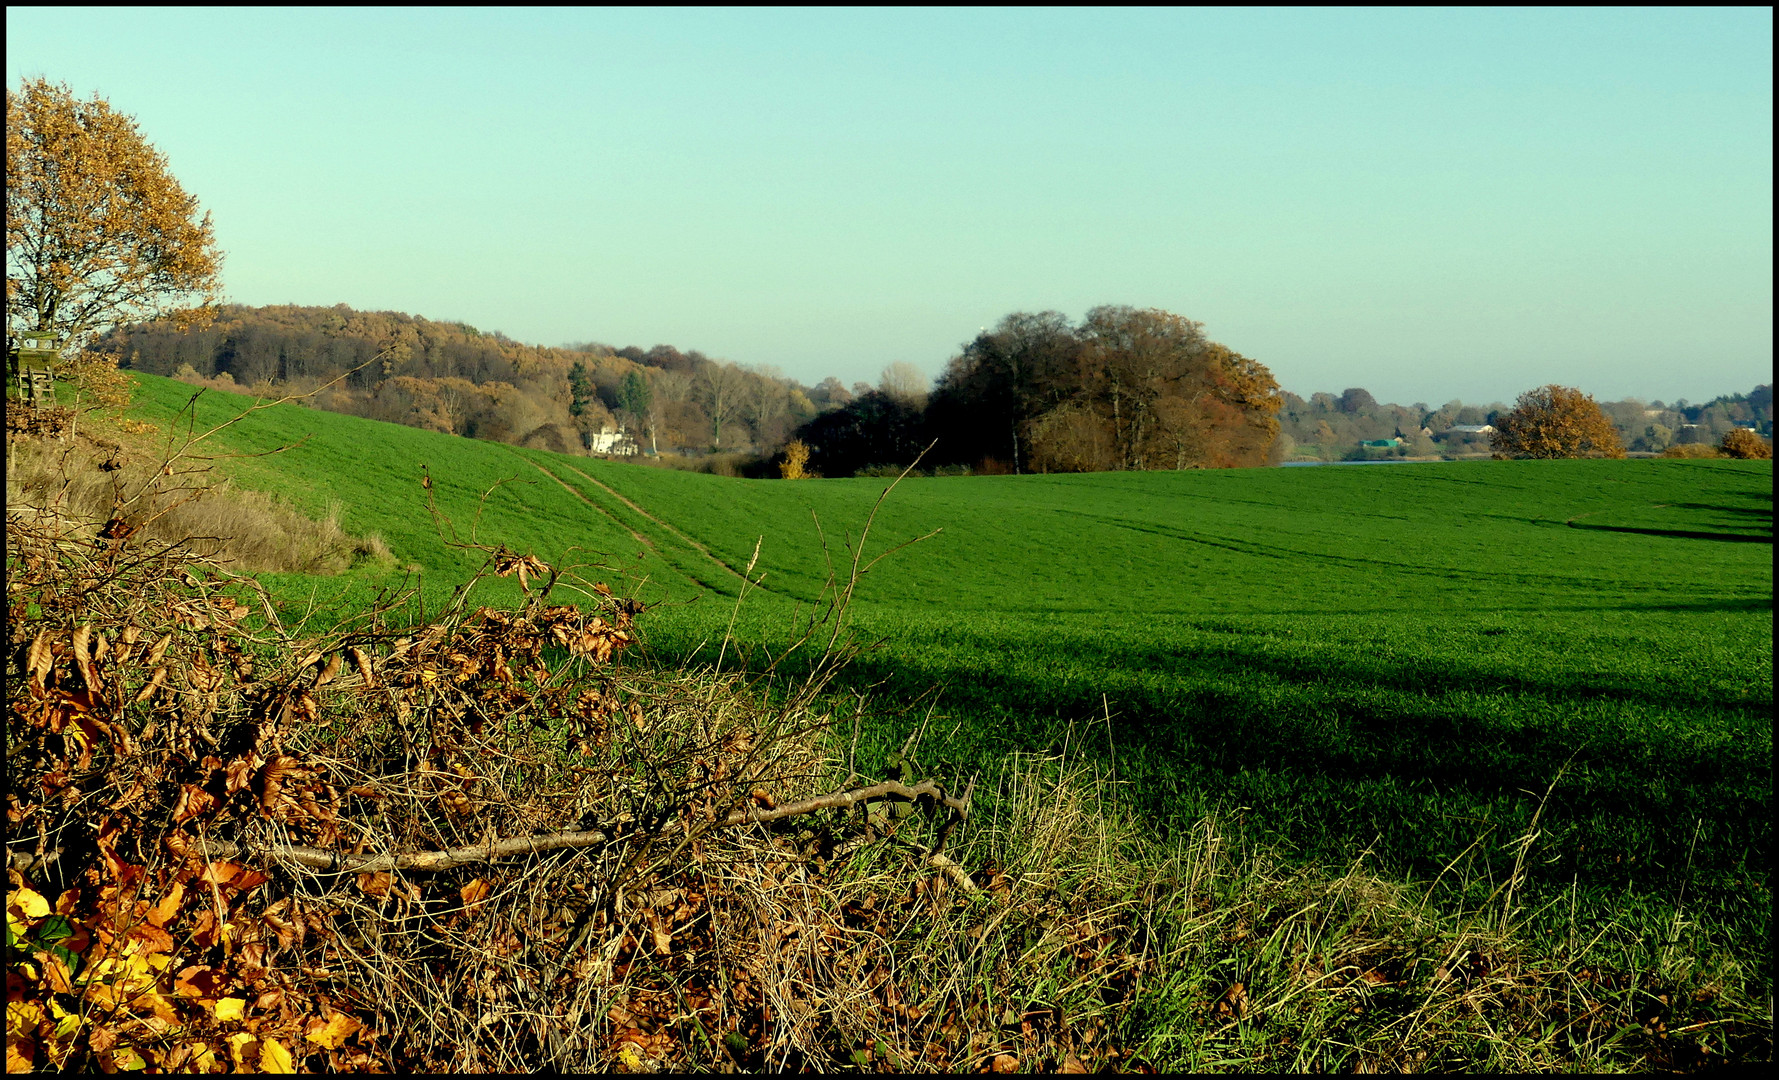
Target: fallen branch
{"x":337,"y":862}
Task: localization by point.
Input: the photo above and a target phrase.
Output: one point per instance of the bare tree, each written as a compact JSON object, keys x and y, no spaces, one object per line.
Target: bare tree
{"x":767,"y":404}
{"x":905,"y":382}
{"x":669,"y":390}
{"x":721,"y":389}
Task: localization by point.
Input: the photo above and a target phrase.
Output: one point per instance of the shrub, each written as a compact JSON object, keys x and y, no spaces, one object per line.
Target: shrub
{"x":796,"y":456}
{"x":1745,"y":444}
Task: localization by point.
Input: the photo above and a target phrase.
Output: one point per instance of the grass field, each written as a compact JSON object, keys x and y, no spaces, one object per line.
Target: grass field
{"x":1400,"y":661}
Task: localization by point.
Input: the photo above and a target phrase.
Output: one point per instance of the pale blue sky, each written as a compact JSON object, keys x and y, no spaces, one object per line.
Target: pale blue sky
{"x":1428,"y":204}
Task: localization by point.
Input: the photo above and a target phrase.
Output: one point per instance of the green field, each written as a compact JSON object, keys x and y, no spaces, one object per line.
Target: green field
{"x":1400,"y":660}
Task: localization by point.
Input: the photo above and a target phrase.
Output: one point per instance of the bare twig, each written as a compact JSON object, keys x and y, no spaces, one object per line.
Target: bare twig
{"x":342,"y":863}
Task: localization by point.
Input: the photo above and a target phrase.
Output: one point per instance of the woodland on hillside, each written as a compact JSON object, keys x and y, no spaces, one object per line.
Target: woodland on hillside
{"x":453,"y":378}
{"x":1126,"y":388}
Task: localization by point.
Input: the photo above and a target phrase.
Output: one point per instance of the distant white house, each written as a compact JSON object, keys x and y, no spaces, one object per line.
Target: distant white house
{"x":609,"y":441}
{"x":1471,"y":429}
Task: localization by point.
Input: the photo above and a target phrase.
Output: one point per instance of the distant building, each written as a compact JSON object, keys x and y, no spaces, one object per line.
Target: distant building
{"x":1471,"y":429}
{"x":608,"y":441}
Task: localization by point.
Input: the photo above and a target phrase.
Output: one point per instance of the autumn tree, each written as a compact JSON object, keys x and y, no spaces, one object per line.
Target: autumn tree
{"x":1135,"y":355}
{"x":1131,"y":388}
{"x":1742,"y":443}
{"x":1555,"y":422}
{"x":98,"y":231}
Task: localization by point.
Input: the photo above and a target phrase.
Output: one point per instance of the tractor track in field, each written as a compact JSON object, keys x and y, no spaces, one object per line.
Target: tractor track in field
{"x":644,"y":540}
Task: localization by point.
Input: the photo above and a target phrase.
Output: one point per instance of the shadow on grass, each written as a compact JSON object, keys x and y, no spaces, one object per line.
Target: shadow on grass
{"x":1329,"y":765}
{"x":1682,"y":534}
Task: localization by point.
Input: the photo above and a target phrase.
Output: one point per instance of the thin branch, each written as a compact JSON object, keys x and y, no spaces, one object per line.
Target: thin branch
{"x":341,"y":863}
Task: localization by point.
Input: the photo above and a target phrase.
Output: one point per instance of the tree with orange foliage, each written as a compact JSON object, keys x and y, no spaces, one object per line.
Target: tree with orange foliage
{"x":1745,"y":444}
{"x":1555,"y":422}
{"x":98,"y":231}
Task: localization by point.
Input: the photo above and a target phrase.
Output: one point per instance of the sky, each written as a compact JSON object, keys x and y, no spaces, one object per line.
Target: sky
{"x":1429,"y":204}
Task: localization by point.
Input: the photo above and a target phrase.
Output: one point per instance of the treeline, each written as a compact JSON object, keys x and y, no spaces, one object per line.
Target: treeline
{"x":1126,"y":388}
{"x":453,"y":378}
{"x":1337,"y":427}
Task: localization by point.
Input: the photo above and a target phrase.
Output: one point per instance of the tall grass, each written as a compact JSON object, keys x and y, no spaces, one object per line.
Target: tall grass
{"x":247,"y":530}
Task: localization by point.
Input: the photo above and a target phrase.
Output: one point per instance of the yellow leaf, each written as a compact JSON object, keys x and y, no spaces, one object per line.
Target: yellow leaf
{"x":31,"y":904}
{"x":22,"y":1018}
{"x":473,"y":893}
{"x":127,"y":1060}
{"x":273,"y":1058}
{"x":67,"y":1024}
{"x":236,"y":1042}
{"x":336,"y":1032}
{"x":231,"y":1008}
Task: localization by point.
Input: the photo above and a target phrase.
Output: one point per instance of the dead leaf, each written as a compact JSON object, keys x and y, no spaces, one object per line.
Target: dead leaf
{"x":39,"y":659}
{"x":153,"y":938}
{"x":221,"y":873}
{"x":241,"y":772}
{"x":271,"y":780}
{"x":83,"y":637}
{"x":162,"y":913}
{"x":154,"y":683}
{"x":200,"y":982}
{"x":363,"y":664}
{"x":193,"y":800}
{"x":333,"y":1033}
{"x":159,"y":650}
{"x":1006,"y":1063}
{"x":274,"y":1058}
